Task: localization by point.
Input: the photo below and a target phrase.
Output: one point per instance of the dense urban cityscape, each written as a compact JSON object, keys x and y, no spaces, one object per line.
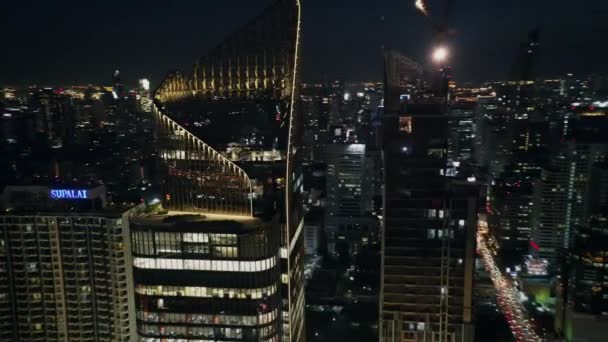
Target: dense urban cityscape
{"x":241,"y":200}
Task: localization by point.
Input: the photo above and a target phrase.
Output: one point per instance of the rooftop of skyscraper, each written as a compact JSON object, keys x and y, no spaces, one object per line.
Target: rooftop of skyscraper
{"x":210,"y":223}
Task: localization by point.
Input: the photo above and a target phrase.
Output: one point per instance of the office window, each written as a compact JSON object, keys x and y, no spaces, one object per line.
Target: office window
{"x":405,"y":124}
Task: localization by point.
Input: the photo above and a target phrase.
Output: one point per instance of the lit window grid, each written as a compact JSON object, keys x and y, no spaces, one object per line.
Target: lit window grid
{"x":205,"y":292}
{"x":255,"y":245}
{"x":208,"y":332}
{"x":208,"y":319}
{"x":167,"y":339}
{"x":37,"y":242}
{"x":204,"y":265}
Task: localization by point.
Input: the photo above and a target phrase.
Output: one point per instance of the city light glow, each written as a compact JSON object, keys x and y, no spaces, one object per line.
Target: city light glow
{"x":508,"y":297}
{"x":236,"y":184}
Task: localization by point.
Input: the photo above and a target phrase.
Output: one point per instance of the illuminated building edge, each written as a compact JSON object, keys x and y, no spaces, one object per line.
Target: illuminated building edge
{"x":199,"y":178}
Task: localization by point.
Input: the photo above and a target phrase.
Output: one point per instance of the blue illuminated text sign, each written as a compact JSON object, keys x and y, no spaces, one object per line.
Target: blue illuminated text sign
{"x":69,"y":194}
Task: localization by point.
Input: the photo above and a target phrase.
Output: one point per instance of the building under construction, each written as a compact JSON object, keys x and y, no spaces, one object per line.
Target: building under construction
{"x":430,"y":217}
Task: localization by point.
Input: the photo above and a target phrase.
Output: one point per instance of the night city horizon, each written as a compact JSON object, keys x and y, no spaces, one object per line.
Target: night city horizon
{"x":298,"y":170}
{"x":84,"y":48}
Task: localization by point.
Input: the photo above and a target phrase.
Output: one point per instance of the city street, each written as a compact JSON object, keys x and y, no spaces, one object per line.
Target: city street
{"x":506,"y":292}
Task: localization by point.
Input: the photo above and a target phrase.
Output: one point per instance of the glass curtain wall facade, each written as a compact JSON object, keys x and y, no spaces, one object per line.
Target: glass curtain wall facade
{"x":229,"y":137}
{"x":206,"y":278}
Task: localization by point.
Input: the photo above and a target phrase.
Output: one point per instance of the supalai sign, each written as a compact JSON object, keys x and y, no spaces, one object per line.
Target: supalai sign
{"x":69,"y":194}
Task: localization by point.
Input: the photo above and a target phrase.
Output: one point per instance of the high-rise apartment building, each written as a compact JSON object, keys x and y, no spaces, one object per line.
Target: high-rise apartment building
{"x":513,"y":198}
{"x":429,"y":223}
{"x":492,"y":141}
{"x":349,"y":199}
{"x":65,"y":270}
{"x":315,"y":114}
{"x":226,"y":261}
{"x":553,"y":198}
{"x":583,"y":302}
{"x":513,"y":193}
{"x":462,"y":125}
{"x":559,"y":197}
{"x":588,"y":288}
{"x":313,"y":228}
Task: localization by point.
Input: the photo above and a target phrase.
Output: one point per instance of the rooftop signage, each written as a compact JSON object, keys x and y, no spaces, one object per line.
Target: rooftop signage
{"x":69,"y":194}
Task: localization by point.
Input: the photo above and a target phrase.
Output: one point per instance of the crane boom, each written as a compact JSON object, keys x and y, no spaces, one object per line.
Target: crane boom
{"x":440,"y":24}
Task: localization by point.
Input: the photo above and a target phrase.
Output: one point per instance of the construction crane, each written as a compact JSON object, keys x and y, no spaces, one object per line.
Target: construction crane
{"x":440,"y":26}
{"x":440,"y":55}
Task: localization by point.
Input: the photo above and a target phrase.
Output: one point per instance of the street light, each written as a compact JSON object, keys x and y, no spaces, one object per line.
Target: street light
{"x":440,"y":54}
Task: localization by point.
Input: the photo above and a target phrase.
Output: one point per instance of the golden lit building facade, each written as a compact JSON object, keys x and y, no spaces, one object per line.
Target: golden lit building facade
{"x":228,"y":136}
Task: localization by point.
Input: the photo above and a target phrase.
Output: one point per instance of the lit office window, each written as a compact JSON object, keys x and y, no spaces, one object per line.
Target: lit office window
{"x":204,"y":265}
{"x":405,"y":124}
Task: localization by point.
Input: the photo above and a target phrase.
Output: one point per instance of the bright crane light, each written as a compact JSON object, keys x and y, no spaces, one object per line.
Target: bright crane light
{"x":440,"y":54}
{"x":421,"y":6}
{"x":145,"y":84}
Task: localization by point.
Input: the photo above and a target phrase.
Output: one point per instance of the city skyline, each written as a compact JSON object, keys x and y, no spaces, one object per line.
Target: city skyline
{"x":86,"y":42}
{"x":293,"y":170}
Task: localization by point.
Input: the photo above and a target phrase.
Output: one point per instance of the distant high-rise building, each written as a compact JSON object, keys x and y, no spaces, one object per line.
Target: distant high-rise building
{"x":348,"y":197}
{"x":513,"y":195}
{"x":313,"y":228}
{"x":553,"y":214}
{"x":143,"y":96}
{"x":54,"y":116}
{"x":528,"y":57}
{"x":336,"y":96}
{"x":596,"y":199}
{"x":461,"y":124}
{"x":588,"y":290}
{"x":583,"y":303}
{"x":118,"y":88}
{"x":16,"y":129}
{"x":513,"y":198}
{"x":492,"y":139}
{"x":429,"y":223}
{"x":559,"y":197}
{"x":315,"y":113}
{"x":486,"y":120}
{"x":65,"y":269}
{"x":229,"y":138}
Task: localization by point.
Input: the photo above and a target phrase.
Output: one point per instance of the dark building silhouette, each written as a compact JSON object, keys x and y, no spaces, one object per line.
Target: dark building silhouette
{"x":527,"y":57}
{"x":429,"y":220}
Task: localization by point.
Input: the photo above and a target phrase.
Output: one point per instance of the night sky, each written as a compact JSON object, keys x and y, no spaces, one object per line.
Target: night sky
{"x":75,"y":42}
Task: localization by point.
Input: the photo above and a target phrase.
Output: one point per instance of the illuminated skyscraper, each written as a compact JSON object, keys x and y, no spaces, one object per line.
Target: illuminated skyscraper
{"x":583,"y":300}
{"x":143,"y":95}
{"x":348,"y":192}
{"x":560,"y":196}
{"x":229,"y":145}
{"x":460,"y":144}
